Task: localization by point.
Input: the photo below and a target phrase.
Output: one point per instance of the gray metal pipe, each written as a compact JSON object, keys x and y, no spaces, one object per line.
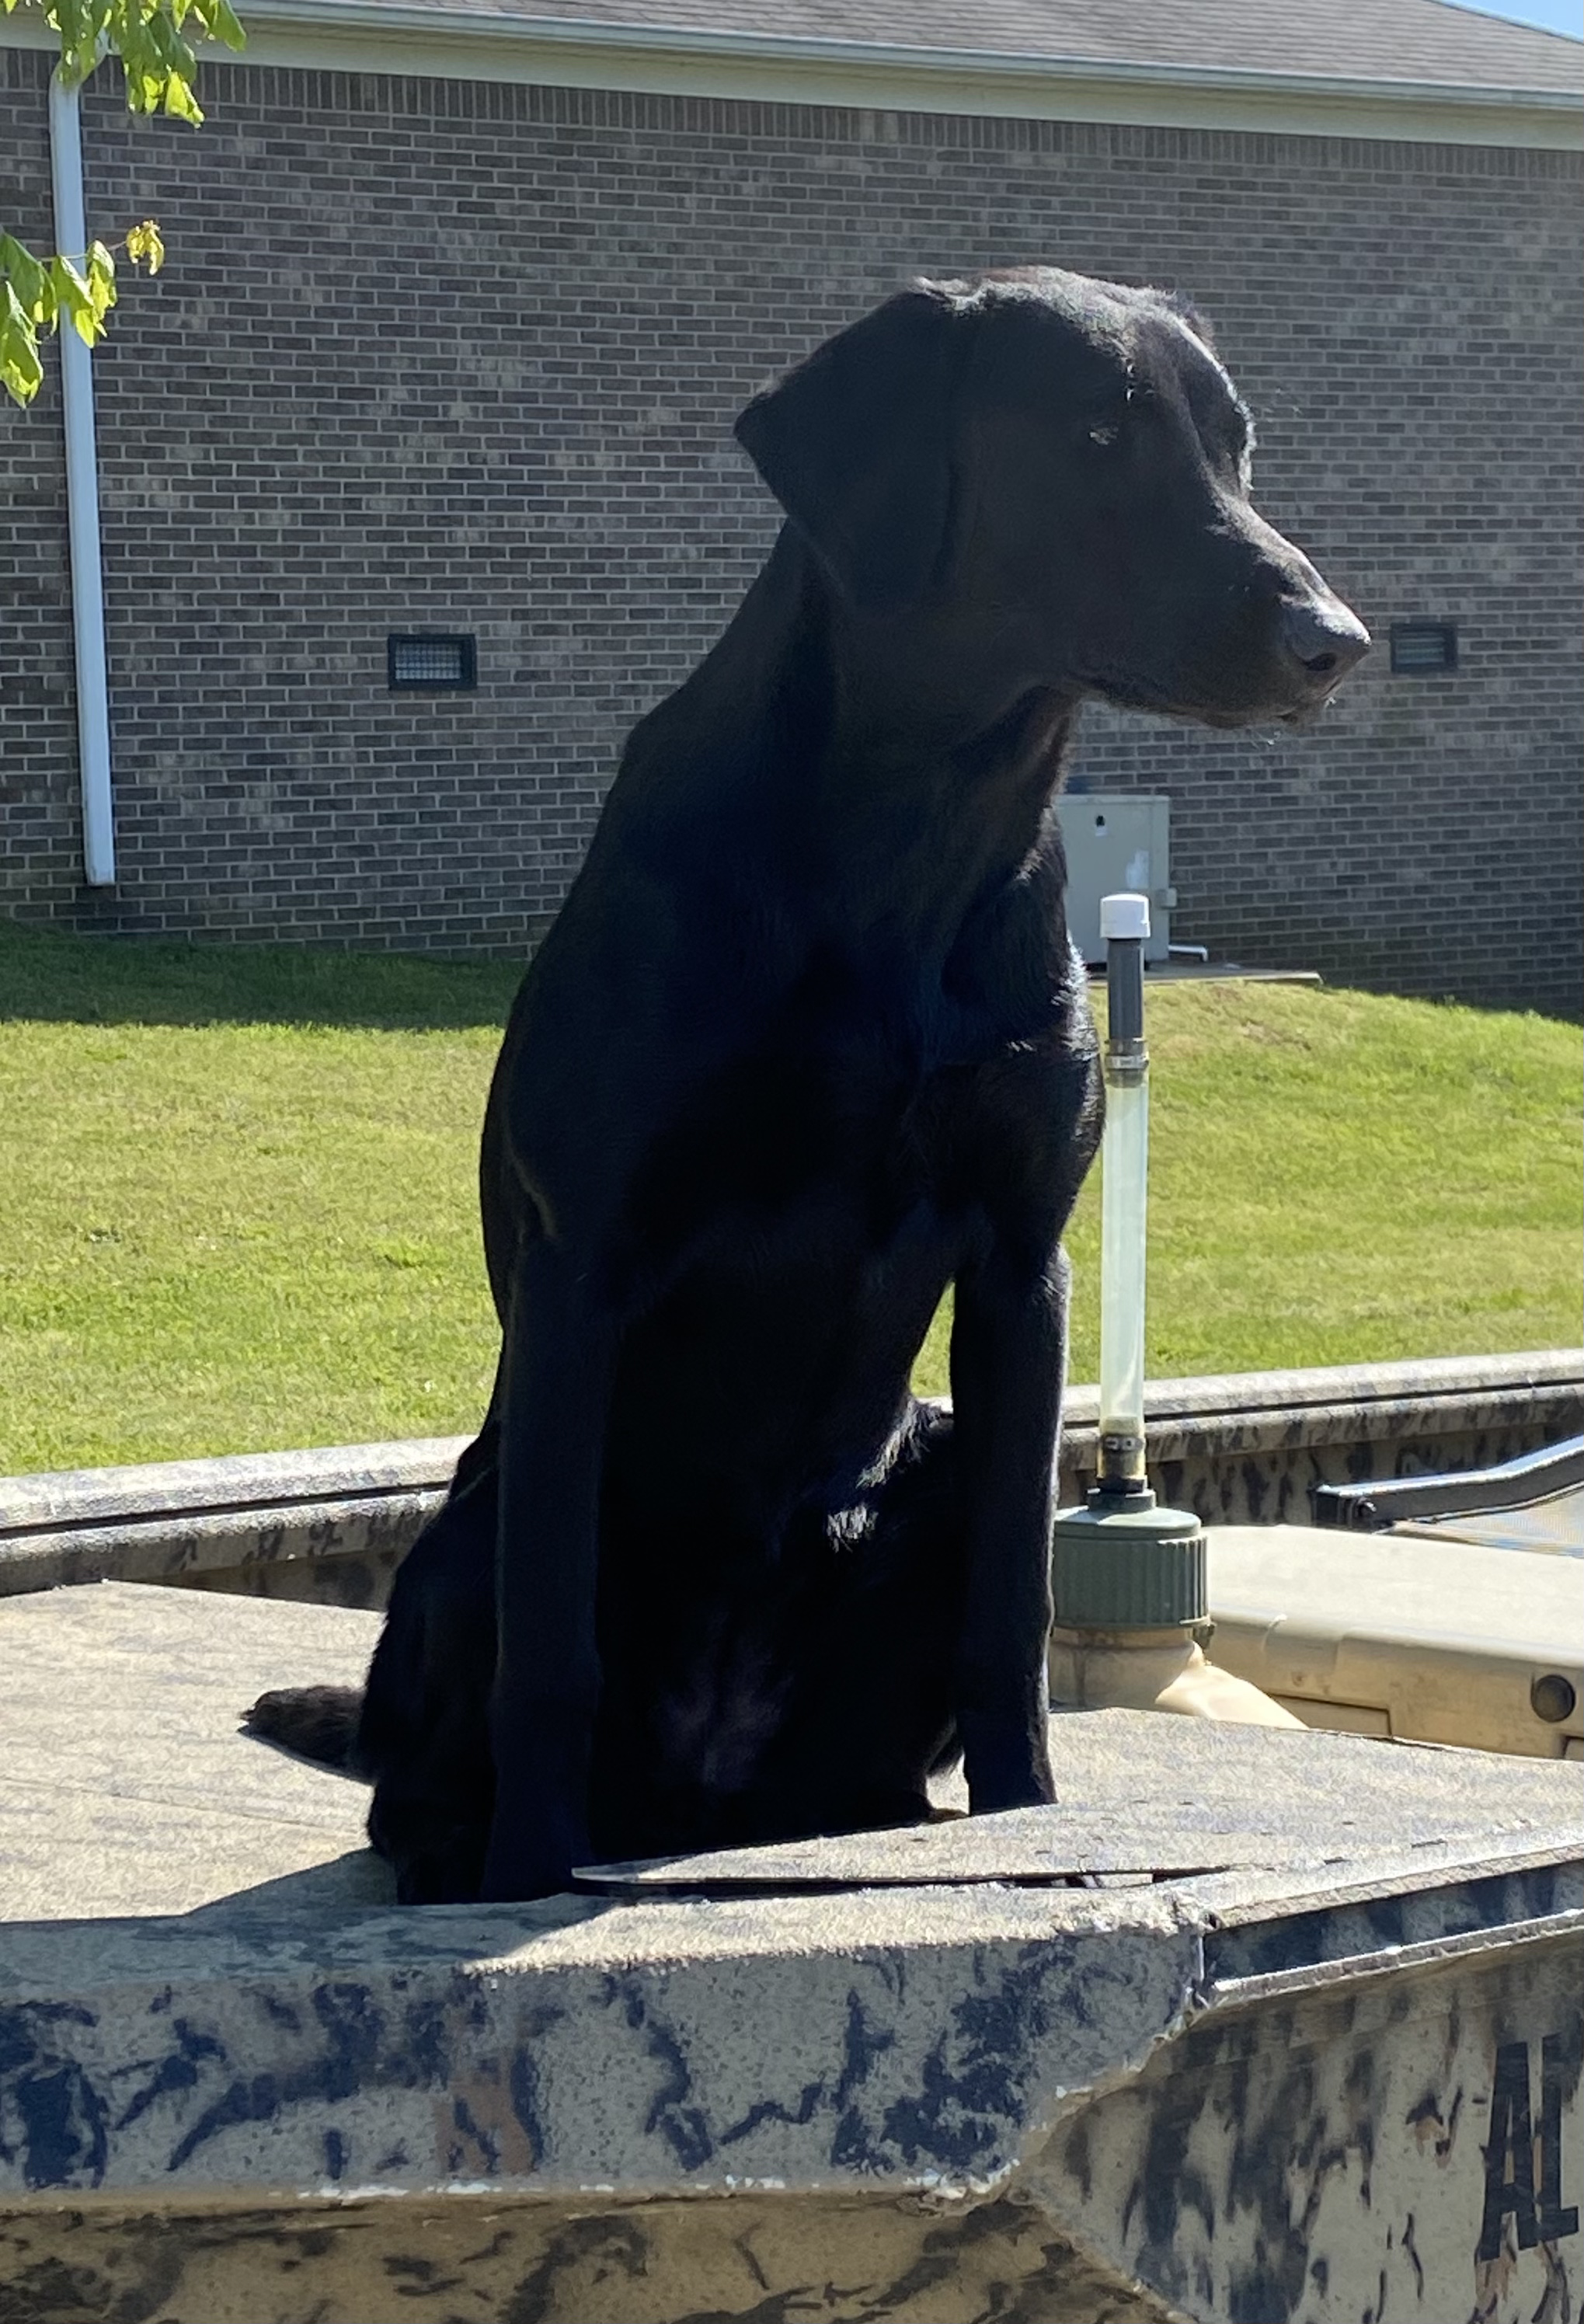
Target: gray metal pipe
{"x":82,"y":505}
{"x":1124,"y":922}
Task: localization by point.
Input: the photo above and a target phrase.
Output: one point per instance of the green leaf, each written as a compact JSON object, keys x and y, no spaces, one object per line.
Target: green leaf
{"x":101,"y":280}
{"x":174,"y":64}
{"x":145,"y":247}
{"x":29,"y":277}
{"x":75,"y":299}
{"x":80,"y":23}
{"x":74,"y":20}
{"x":21,"y":371}
{"x":221,"y":25}
{"x":143,"y":41}
{"x":179,"y":100}
{"x":78,"y":63}
{"x":165,"y":38}
{"x":159,"y":70}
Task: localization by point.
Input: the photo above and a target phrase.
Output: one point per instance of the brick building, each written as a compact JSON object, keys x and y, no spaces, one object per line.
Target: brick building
{"x":460,"y":306}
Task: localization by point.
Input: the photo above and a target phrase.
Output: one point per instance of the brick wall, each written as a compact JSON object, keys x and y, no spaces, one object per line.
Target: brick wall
{"x":438,"y":356}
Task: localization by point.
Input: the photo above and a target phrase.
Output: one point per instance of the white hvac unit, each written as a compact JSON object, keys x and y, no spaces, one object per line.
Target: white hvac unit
{"x":1116,"y":842}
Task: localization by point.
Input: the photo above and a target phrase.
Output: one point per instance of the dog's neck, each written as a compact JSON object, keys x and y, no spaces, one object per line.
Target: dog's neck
{"x":914,"y":773}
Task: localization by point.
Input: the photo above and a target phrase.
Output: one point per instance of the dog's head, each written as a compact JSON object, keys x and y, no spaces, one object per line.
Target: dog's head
{"x":1059,"y":470}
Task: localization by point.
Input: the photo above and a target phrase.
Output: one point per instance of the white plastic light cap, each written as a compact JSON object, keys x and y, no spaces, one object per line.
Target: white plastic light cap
{"x":1124,"y":916}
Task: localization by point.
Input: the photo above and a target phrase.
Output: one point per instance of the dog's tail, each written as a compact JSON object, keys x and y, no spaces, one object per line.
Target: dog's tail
{"x":317,"y":1722}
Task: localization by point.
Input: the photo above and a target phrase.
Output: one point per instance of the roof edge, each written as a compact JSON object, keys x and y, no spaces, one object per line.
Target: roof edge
{"x":476,"y":45}
{"x":794,"y":49}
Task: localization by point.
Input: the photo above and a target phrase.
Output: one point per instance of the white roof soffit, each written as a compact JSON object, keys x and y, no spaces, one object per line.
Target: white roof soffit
{"x":459,"y":43}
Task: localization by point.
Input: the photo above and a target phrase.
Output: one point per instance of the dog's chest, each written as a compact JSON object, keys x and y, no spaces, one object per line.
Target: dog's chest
{"x":824,"y":1102}
{"x":796,"y":1223}
{"x":837,"y":1158}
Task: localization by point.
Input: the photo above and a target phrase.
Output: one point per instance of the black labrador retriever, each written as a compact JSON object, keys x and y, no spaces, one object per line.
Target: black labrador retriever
{"x":807,"y":1044}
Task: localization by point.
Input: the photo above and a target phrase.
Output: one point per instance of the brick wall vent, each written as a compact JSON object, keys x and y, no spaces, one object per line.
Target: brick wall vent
{"x":1419,"y":648}
{"x":431,"y":663}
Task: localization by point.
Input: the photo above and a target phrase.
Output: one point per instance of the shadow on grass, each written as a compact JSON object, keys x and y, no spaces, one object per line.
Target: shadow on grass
{"x":76,"y":980}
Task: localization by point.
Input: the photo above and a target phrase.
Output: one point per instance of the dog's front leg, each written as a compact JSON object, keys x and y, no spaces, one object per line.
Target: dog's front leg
{"x":1009,"y":1359}
{"x":557,"y":1383}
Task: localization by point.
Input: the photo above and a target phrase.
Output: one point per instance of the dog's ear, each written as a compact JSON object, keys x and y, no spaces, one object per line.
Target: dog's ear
{"x":856,"y":445}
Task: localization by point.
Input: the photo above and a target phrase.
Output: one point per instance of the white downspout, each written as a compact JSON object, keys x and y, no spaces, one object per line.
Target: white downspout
{"x":82,"y":505}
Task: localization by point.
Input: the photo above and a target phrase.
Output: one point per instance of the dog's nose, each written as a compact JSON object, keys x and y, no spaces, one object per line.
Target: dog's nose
{"x":1324,"y":636}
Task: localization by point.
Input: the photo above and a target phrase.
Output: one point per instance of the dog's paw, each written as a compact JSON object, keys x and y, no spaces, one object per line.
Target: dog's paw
{"x":1007,"y":1763}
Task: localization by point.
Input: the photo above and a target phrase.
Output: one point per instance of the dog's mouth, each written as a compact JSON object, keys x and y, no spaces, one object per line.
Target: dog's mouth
{"x":1169,"y":702}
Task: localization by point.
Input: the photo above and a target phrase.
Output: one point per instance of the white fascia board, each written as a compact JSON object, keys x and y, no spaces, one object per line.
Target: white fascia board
{"x":459,"y":44}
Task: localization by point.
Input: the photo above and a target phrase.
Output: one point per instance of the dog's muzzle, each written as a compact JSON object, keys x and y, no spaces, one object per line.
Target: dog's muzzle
{"x":1320,"y":641}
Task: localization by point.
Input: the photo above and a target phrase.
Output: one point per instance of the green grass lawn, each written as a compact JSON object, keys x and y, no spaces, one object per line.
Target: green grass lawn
{"x":239,"y":1206}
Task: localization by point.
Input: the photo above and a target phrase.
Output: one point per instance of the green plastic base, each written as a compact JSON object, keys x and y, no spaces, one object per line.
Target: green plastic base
{"x":1123,"y":1563}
